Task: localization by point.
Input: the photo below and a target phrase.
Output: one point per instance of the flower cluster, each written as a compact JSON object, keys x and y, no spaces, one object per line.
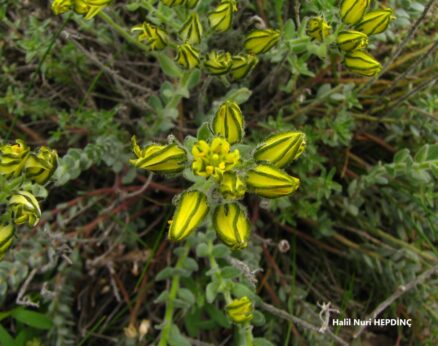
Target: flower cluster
{"x":353,"y":40}
{"x":18,"y":162}
{"x":218,"y":161}
{"x":190,"y":35}
{"x":240,"y":310}
{"x":87,"y":8}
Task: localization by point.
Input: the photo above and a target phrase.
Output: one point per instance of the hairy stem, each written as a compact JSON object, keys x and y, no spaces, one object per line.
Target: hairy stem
{"x":174,"y":286}
{"x":244,"y":329}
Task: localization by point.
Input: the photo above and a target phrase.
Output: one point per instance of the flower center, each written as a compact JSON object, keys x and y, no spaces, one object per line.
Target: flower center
{"x":213,"y":159}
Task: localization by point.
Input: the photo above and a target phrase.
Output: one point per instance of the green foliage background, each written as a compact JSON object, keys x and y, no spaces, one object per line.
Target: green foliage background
{"x":363,"y":222}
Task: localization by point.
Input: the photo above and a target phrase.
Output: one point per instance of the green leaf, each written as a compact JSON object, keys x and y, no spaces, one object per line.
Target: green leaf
{"x":165,"y":274}
{"x":217,"y":315}
{"x":202,"y":250}
{"x":32,"y":318}
{"x":220,"y":250}
{"x":204,"y":132}
{"x":176,"y":338}
{"x":187,"y":296}
{"x":262,"y":342}
{"x":191,"y":79}
{"x":5,"y":338}
{"x":169,"y":67}
{"x":259,"y":319}
{"x":230,"y":272}
{"x":190,"y":264}
{"x":241,"y":290}
{"x":211,"y":291}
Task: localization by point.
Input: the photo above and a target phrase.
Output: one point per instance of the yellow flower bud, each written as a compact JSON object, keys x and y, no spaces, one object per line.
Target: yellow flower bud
{"x":6,"y":238}
{"x":40,"y":167}
{"x":241,"y":65}
{"x":261,"y":41}
{"x":281,"y":149}
{"x":231,"y":186}
{"x":190,"y":212}
{"x":270,"y":182}
{"x":169,"y":158}
{"x":375,"y":22}
{"x":89,"y":8}
{"x":228,"y":122}
{"x":318,"y":28}
{"x":240,"y":310}
{"x":191,"y":3}
{"x":13,"y":158}
{"x":352,"y":11}
{"x":362,"y":63}
{"x":191,"y":31}
{"x":25,"y":208}
{"x":172,"y":3}
{"x":213,"y":159}
{"x":188,"y":56}
{"x":232,"y":225}
{"x":349,"y":40}
{"x":156,"y":38}
{"x":61,"y":6}
{"x":221,"y":18}
{"x":218,"y":63}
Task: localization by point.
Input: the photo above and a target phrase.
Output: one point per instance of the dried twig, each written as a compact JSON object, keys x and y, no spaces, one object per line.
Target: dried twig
{"x":306,"y":325}
{"x":397,"y":294}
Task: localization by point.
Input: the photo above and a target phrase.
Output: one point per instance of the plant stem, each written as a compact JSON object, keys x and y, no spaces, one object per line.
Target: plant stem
{"x":244,"y":329}
{"x":126,"y":35}
{"x":249,"y":340}
{"x":174,"y":286}
{"x":218,"y":273}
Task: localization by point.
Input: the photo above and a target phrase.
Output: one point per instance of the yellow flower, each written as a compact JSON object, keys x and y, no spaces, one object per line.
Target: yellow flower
{"x":270,"y":182}
{"x":362,"y":63}
{"x":232,"y":226}
{"x":40,"y":167}
{"x":241,"y":65}
{"x":352,"y":11}
{"x":349,"y":40}
{"x":261,"y":41}
{"x":191,"y":210}
{"x":228,"y":122}
{"x":6,"y":238}
{"x":231,"y":186}
{"x":61,"y":6}
{"x":172,"y":3}
{"x":191,"y":31}
{"x":25,"y":208}
{"x":281,"y":149}
{"x":89,"y":8}
{"x":318,"y":28}
{"x":221,"y":18}
{"x":218,"y":63}
{"x":188,"y":56}
{"x":213,"y":159}
{"x":13,"y":158}
{"x":169,"y":158}
{"x":240,"y":310}
{"x":156,"y":38}
{"x":375,"y":22}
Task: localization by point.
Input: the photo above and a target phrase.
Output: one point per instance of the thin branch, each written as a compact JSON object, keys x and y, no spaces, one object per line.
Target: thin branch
{"x":402,"y":45}
{"x":405,"y":97}
{"x":397,"y":294}
{"x":306,"y":325}
{"x":417,"y":62}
